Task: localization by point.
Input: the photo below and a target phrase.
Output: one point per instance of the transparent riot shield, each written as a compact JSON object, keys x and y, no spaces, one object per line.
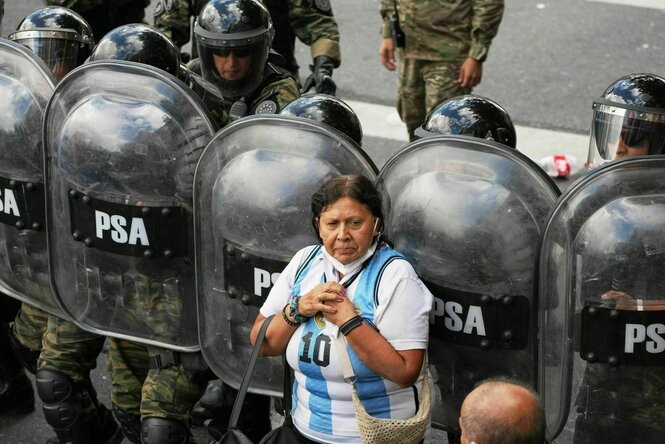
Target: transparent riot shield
{"x":602,"y":311}
{"x":253,"y":192}
{"x":122,"y":141}
{"x":468,"y":213}
{"x":26,"y":84}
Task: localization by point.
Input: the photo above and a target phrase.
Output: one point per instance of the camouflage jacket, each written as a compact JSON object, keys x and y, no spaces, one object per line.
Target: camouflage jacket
{"x":280,"y":90}
{"x":311,"y":21}
{"x":86,"y":5}
{"x":445,"y":30}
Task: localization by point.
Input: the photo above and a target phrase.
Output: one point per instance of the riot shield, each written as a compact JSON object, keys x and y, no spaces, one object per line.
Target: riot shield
{"x":253,"y":190}
{"x":26,"y":84}
{"x":122,"y":141}
{"x":602,"y":313}
{"x":468,"y":213}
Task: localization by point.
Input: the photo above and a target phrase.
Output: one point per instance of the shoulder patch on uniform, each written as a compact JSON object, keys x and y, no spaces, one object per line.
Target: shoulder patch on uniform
{"x":163,"y":6}
{"x":323,"y":5}
{"x":266,"y":107}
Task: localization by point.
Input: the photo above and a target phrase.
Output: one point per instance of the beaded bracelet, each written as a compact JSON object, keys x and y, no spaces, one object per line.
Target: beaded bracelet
{"x":299,"y":318}
{"x":286,"y":318}
{"x":351,"y":324}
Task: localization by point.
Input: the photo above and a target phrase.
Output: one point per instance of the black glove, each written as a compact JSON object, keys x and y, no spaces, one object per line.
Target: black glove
{"x":321,"y":76}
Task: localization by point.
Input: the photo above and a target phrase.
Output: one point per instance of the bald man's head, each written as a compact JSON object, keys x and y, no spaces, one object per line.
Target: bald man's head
{"x":502,"y":412}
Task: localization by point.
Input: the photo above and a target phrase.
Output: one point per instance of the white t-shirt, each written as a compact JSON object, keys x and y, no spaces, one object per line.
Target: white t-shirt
{"x":399,"y":306}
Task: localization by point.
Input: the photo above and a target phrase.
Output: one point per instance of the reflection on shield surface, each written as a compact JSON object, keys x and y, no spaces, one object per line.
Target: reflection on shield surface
{"x":469,"y":213}
{"x":122,"y":142}
{"x":26,"y":84}
{"x":253,"y":190}
{"x":602,"y":315}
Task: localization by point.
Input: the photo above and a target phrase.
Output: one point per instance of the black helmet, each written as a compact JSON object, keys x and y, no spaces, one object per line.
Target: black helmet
{"x":470,"y":115}
{"x":59,"y":36}
{"x":628,"y":119}
{"x":139,"y":43}
{"x":241,"y":28}
{"x":327,"y":109}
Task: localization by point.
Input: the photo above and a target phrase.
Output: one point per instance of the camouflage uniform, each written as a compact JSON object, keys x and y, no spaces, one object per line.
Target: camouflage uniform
{"x":105,"y":15}
{"x":140,"y":390}
{"x":440,"y":35}
{"x":312,"y":22}
{"x":68,"y":349}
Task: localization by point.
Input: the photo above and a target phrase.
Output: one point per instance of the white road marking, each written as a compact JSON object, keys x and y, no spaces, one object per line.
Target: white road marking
{"x":653,"y":4}
{"x":384,"y":122}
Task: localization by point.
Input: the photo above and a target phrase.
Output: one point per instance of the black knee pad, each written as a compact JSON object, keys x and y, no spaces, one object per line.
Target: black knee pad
{"x":164,"y":431}
{"x":130,"y":423}
{"x":61,"y":404}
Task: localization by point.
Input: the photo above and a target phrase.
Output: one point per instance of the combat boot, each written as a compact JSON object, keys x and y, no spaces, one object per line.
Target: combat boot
{"x":16,"y":394}
{"x":212,"y":405}
{"x":63,"y":410}
{"x":109,"y":432}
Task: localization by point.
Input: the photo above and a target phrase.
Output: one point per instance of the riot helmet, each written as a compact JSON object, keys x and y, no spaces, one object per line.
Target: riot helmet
{"x":470,"y":115}
{"x":628,"y":119}
{"x":329,"y":110}
{"x":233,"y":39}
{"x":59,"y":36}
{"x":139,"y":43}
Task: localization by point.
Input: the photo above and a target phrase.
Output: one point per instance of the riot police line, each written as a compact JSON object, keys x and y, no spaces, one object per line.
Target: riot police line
{"x":136,"y":193}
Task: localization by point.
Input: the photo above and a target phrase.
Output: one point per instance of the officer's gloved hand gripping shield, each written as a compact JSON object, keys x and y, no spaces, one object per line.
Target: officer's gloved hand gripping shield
{"x":26,"y":84}
{"x":122,"y":141}
{"x":468,"y":213}
{"x":602,"y":308}
{"x":253,"y":192}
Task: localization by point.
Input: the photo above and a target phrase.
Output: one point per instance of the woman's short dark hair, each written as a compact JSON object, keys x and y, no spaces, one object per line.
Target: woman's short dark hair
{"x":354,"y":186}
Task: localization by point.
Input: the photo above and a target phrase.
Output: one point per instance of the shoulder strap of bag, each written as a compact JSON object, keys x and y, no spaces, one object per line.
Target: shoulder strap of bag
{"x":345,"y":361}
{"x":249,"y":369}
{"x":287,"y":393}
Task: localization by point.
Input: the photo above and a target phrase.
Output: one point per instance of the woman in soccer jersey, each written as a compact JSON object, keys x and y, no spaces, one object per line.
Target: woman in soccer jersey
{"x":354,"y":284}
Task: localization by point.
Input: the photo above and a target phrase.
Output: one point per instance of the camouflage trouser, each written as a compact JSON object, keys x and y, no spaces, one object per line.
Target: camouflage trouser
{"x":29,"y":326}
{"x":166,"y":392}
{"x":72,"y":351}
{"x":422,"y":85}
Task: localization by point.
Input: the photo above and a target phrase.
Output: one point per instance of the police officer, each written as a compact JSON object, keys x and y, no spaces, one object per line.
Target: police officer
{"x":68,"y":354}
{"x":441,"y":50}
{"x":250,"y":84}
{"x":239,"y":65}
{"x":311,"y":21}
{"x":628,"y":120}
{"x":153,"y":395}
{"x":470,"y":115}
{"x":104,"y":15}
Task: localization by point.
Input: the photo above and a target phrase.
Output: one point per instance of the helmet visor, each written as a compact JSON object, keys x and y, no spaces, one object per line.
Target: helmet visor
{"x":236,"y":69}
{"x":61,"y":56}
{"x":617,"y":133}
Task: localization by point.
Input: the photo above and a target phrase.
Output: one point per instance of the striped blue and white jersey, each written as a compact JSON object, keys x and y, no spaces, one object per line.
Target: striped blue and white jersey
{"x":387,"y":292}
